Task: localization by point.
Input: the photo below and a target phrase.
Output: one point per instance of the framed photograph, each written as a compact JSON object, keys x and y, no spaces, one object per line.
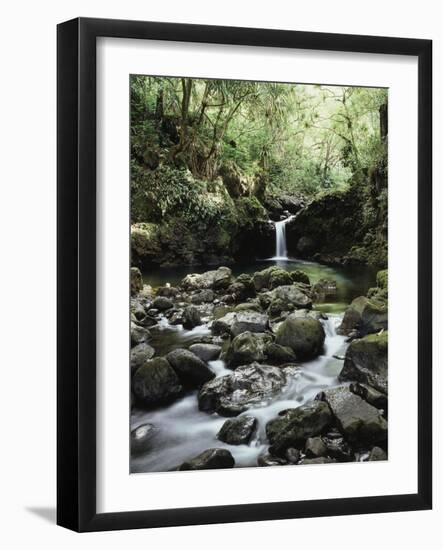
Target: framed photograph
{"x":244,"y":274}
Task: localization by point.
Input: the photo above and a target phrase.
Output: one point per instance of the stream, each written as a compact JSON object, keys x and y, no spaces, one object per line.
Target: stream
{"x":183,"y":430}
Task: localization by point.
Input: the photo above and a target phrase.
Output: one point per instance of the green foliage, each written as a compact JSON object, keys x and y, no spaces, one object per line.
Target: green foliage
{"x":207,"y":154}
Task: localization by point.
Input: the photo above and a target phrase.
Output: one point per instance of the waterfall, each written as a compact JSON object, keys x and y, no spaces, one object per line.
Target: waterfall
{"x":281,"y":252}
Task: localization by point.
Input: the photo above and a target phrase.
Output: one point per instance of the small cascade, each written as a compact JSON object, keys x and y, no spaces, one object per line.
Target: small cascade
{"x":281,"y":252}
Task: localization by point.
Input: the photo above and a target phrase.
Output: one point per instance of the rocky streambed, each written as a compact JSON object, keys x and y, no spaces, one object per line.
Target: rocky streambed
{"x":255,"y":370}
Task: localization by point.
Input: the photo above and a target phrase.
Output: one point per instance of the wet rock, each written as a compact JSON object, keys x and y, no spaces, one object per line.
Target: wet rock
{"x":338,"y":448}
{"x":248,"y":386}
{"x":246,"y":348}
{"x":137,"y":308}
{"x":206,"y":352}
{"x":140,"y":354}
{"x":364,"y":315}
{"x":238,"y":431}
{"x":236,"y":322}
{"x":286,"y":298}
{"x":222,"y":278}
{"x":377,"y":453}
{"x":299,"y":276}
{"x":314,"y":447}
{"x":292,"y":455}
{"x":304,"y":336}
{"x":278,"y":355}
{"x":216,"y":279}
{"x":191,"y":317}
{"x":203,"y":297}
{"x":324,"y":290}
{"x":162,"y":303}
{"x":210,"y":459}
{"x":136,"y":280}
{"x":366,"y":361}
{"x":360,"y":422}
{"x":168,"y":291}
{"x":190,"y":369}
{"x":269,"y":460}
{"x":156,"y":383}
{"x":142,"y":438}
{"x":176,"y":317}
{"x":139,"y":334}
{"x":294,"y":426}
{"x":279,"y":277}
{"x":373,"y":397}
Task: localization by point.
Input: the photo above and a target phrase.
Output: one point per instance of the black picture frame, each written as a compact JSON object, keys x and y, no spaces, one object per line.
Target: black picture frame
{"x":76,"y":265}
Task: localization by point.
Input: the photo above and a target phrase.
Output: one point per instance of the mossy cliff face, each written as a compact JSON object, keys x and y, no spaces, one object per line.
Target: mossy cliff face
{"x":345,"y":226}
{"x":179,"y":219}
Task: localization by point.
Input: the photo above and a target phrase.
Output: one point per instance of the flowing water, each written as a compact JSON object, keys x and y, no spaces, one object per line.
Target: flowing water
{"x":184,"y":431}
{"x":281,"y":252}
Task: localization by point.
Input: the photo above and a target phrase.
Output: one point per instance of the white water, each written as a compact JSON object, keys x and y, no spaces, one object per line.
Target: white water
{"x":281,"y":252}
{"x":184,"y":431}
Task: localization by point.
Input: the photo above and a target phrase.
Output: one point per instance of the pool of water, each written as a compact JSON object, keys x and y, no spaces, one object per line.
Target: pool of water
{"x":352,"y":281}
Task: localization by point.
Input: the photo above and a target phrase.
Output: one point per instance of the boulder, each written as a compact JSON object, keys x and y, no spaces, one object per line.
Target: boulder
{"x":238,"y":431}
{"x":304,"y":336}
{"x":137,"y":309}
{"x":162,"y":303}
{"x":294,"y":426}
{"x":279,"y":277}
{"x":168,"y":291}
{"x":210,"y":459}
{"x":364,"y":315}
{"x":206,"y":352}
{"x":236,"y":322}
{"x":191,"y":317}
{"x":286,"y":298}
{"x":299,"y":276}
{"x":274,"y":276}
{"x":314,"y":447}
{"x":142,"y":437}
{"x":136,"y":280}
{"x":246,"y":348}
{"x":373,"y":397}
{"x":139,"y":334}
{"x":338,"y":448}
{"x":222,"y":278}
{"x":358,"y":421}
{"x":377,"y":453}
{"x":140,"y":354}
{"x":366,"y":361}
{"x":156,"y":383}
{"x":203,"y":296}
{"x":278,"y":355}
{"x":217,"y":279}
{"x":293,"y":455}
{"x":190,"y":369}
{"x":248,"y":386}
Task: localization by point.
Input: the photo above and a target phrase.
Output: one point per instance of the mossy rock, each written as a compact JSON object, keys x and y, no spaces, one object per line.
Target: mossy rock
{"x":366,"y":361}
{"x":304,"y":336}
{"x":365,"y":315}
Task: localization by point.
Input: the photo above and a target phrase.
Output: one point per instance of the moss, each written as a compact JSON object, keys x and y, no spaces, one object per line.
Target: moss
{"x":382,"y":279}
